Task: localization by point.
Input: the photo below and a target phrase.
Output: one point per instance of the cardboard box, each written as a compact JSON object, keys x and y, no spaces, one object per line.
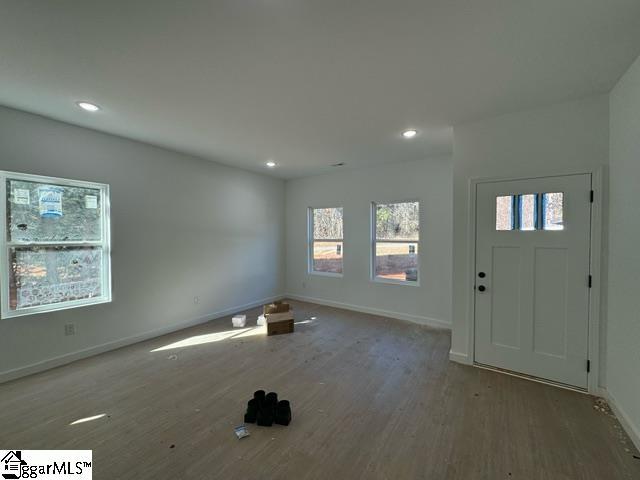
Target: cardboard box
{"x":279,"y":323}
{"x":275,"y":307}
{"x":279,"y":317}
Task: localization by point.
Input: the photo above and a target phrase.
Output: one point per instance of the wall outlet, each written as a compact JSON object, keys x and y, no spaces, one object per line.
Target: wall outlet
{"x":70,"y":329}
{"x":196,"y":299}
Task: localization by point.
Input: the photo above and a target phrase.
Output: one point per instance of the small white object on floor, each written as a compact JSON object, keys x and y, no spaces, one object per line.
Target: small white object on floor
{"x":241,"y":431}
{"x":239,"y":320}
{"x":262,"y":320}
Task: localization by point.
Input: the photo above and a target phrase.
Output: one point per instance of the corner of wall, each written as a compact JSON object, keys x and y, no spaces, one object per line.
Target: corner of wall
{"x":624,"y":418}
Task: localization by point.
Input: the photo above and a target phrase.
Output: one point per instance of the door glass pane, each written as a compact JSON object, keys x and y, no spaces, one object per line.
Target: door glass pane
{"x":397,"y":261}
{"x":48,"y":275}
{"x":527,"y":211}
{"x":327,"y":257}
{"x":39,"y":212}
{"x":552,"y":206}
{"x":504,"y":212}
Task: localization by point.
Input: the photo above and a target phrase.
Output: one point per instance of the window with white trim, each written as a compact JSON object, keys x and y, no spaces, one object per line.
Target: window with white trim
{"x":54,"y":240}
{"x":325,"y":240}
{"x":395,"y":242}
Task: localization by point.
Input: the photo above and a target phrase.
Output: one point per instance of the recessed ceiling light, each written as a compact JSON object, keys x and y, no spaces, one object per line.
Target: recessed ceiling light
{"x":89,"y":107}
{"x":410,"y":133}
{"x":271,"y":164}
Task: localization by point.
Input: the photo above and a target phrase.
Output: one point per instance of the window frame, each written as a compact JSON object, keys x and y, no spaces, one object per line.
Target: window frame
{"x":372,"y":256}
{"x":6,"y":245}
{"x":311,"y":240}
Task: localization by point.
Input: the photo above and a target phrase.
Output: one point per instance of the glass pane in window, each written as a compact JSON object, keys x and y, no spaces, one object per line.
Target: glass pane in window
{"x":527,"y":211}
{"x":49,"y":275}
{"x":552,"y":206}
{"x":504,"y":212}
{"x":327,"y":257}
{"x":39,"y":212}
{"x":397,"y":261}
{"x":327,"y":223}
{"x":398,"y":221}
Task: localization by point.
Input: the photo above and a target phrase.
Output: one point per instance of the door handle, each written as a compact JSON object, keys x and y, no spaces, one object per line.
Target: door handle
{"x":482,"y":288}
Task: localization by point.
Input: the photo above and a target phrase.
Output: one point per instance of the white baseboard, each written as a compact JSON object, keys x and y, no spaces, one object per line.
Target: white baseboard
{"x":459,"y":357}
{"x":123,"y":342}
{"x":431,"y":322}
{"x":629,"y":426}
{"x":599,"y":392}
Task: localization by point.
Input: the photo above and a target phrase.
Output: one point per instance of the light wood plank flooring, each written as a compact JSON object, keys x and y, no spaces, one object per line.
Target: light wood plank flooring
{"x":372,"y":398}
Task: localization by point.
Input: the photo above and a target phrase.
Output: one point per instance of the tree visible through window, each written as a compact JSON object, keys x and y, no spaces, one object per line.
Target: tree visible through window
{"x":396,"y":240}
{"x":530,"y":212}
{"x":326,"y":240}
{"x":55,"y":247}
{"x":552,"y":206}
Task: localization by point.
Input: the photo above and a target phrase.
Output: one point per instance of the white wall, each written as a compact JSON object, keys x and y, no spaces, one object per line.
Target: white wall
{"x":428,"y":181}
{"x":623,"y":365}
{"x":181,"y":227}
{"x":564,"y":138}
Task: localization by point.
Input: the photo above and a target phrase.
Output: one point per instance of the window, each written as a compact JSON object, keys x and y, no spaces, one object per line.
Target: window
{"x":552,"y":207}
{"x":396,"y":238}
{"x":504,"y":212}
{"x":529,"y":212}
{"x":55,"y":244}
{"x":325,"y":241}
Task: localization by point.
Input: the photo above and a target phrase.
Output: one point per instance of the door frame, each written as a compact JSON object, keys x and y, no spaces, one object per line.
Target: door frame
{"x":595,"y":333}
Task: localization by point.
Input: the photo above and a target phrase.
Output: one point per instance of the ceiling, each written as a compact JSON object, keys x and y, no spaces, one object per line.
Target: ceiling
{"x":306,"y":83}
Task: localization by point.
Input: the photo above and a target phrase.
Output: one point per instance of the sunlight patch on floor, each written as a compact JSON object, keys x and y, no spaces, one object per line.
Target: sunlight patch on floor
{"x":261,"y":330}
{"x":88,"y":419}
{"x":214,"y":337}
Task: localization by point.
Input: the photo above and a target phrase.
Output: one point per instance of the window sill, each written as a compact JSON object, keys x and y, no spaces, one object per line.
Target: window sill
{"x":55,"y":307}
{"x":326,"y":274}
{"x":389,"y":281}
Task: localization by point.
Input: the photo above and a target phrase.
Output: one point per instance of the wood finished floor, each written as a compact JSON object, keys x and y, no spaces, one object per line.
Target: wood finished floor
{"x":372,"y":398}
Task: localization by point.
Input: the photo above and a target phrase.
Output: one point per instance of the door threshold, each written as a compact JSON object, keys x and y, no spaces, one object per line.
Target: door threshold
{"x":531,"y":378}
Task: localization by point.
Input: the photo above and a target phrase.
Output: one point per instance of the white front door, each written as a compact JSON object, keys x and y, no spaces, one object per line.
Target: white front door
{"x":532,"y":276}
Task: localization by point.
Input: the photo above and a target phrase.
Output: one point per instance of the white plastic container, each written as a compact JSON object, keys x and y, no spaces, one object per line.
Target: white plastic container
{"x":262,"y":320}
{"x":239,"y":320}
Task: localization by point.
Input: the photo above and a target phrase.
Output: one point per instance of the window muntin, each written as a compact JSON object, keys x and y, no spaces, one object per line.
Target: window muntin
{"x":54,"y":244}
{"x":326,"y":244}
{"x":396,"y":238}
